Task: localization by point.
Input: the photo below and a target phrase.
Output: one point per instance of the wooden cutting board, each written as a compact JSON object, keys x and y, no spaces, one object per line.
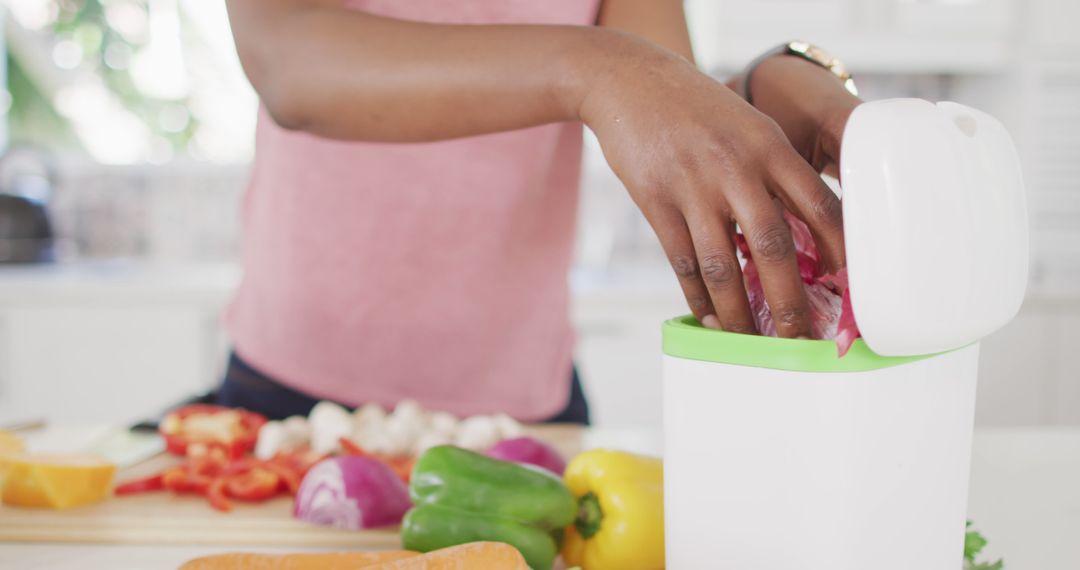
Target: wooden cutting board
{"x":163,"y":518}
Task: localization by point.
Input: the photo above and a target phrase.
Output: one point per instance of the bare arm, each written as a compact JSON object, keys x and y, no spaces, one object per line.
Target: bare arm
{"x":341,"y":73}
{"x":662,"y":22}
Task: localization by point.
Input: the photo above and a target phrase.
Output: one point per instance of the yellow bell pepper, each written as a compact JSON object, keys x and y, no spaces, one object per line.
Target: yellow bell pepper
{"x":620,"y":521}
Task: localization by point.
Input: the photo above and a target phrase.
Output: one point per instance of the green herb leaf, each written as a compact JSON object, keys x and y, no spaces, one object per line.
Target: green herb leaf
{"x":973,"y":545}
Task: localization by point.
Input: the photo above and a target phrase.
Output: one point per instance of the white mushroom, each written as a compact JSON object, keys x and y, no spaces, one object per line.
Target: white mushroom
{"x":477,"y":433}
{"x":402,"y":433}
{"x":367,"y":421}
{"x":329,"y":422}
{"x":404,"y":426}
{"x":369,"y":415}
{"x":443,"y":423}
{"x":428,"y":440}
{"x":409,"y":411}
{"x":377,"y":442}
{"x":271,"y":439}
{"x":388,"y":443}
{"x":297,"y":430}
{"x":508,"y":427}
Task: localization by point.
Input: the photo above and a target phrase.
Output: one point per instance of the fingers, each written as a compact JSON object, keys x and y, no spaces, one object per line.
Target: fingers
{"x":807,"y":196}
{"x":711,"y":232}
{"x":773,"y":251}
{"x":670,"y":228}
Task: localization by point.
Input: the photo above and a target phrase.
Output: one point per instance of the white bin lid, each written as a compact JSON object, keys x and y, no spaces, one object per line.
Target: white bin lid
{"x":935,"y":225}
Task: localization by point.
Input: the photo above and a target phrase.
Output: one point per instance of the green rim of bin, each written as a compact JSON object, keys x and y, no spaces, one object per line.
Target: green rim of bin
{"x":684,"y":337}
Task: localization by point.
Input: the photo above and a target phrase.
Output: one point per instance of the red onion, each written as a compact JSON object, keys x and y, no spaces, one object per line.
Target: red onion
{"x":351,"y":492}
{"x":530,"y":451}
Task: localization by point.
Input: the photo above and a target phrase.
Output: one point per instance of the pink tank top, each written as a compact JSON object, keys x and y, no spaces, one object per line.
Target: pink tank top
{"x":434,"y":271}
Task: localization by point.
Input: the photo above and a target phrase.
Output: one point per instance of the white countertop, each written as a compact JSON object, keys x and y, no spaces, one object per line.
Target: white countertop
{"x":117,"y":280}
{"x":1025,"y":498}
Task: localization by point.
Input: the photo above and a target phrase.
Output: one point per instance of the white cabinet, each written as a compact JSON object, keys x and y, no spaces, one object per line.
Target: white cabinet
{"x":1015,"y":377}
{"x":910,"y":36}
{"x":1029,"y":373}
{"x":618,"y":352}
{"x":94,"y":364}
{"x":107,"y":344}
{"x":1064,"y":396}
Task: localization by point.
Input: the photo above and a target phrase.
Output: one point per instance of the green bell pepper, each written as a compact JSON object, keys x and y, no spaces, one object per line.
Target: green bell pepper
{"x":461,"y":496}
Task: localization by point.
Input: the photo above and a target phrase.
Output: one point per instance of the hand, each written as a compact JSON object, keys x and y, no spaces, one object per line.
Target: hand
{"x":809,"y":103}
{"x":697,"y":160}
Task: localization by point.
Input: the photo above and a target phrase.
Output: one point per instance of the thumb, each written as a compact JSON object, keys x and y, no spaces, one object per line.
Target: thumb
{"x":830,"y":139}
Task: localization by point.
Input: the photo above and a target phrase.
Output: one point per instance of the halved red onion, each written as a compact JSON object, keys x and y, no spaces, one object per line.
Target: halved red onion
{"x":351,"y":492}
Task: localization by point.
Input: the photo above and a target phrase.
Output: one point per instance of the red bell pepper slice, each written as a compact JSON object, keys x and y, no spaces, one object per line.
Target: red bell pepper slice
{"x":256,"y":484}
{"x":288,"y":478}
{"x":234,"y":431}
{"x":144,"y":485}
{"x":352,"y":448}
{"x":211,"y":471}
{"x":175,"y":479}
{"x":215,"y":493}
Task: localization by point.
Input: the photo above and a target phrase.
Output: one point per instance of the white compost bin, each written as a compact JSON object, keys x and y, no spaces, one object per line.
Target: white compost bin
{"x":779,"y":454}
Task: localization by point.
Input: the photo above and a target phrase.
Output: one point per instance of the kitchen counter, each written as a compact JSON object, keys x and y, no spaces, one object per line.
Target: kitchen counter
{"x":118,"y":281}
{"x":1024,"y":498}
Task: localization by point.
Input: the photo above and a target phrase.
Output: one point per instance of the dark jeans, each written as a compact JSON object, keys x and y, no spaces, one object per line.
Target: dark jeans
{"x":245,"y":387}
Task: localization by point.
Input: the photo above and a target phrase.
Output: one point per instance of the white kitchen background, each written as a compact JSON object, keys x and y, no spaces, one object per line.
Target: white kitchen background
{"x":127,"y":321}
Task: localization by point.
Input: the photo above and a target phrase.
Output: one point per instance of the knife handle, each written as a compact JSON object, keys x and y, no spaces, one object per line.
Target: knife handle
{"x":152,"y":423}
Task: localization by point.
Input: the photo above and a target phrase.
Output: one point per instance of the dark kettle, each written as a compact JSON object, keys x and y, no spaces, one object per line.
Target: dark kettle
{"x":26,"y":181}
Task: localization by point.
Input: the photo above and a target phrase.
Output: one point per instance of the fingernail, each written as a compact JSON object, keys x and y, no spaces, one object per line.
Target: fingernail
{"x":711,"y":322}
{"x":803,"y":337}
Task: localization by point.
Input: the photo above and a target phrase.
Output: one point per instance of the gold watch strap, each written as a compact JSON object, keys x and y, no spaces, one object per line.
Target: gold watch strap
{"x":804,"y":50}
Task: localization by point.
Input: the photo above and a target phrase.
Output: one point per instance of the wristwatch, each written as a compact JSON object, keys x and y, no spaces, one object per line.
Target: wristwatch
{"x":807,"y":51}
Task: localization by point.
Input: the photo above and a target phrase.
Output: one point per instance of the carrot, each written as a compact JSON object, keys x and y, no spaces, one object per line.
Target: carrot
{"x":299,"y":561}
{"x":474,"y":555}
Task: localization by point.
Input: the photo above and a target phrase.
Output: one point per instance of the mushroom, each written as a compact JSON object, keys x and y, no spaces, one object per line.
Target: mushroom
{"x":477,"y":433}
{"x":329,"y":423}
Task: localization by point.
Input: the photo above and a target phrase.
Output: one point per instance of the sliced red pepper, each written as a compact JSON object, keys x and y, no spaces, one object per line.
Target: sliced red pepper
{"x":351,"y":448}
{"x":144,"y":485}
{"x":239,"y":466}
{"x":215,"y":493}
{"x":300,"y":461}
{"x":402,"y":466}
{"x":207,"y":461}
{"x":239,"y":441}
{"x":289,"y":479}
{"x":303,"y":461}
{"x":256,"y":484}
{"x":213,"y":472}
{"x":175,"y":479}
{"x":198,"y":483}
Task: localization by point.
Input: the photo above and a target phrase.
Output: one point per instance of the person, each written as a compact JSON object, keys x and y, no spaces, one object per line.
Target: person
{"x":409,"y":220}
